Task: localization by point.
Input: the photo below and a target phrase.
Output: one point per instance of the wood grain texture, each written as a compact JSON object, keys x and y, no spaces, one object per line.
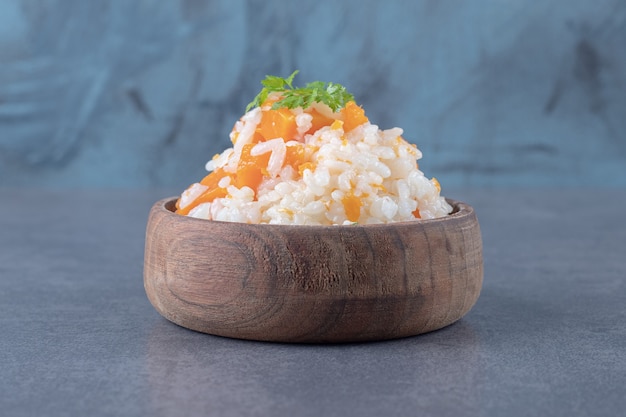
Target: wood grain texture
{"x":312,"y":283}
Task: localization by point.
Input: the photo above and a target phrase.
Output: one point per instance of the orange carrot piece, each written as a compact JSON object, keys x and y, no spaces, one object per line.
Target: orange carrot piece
{"x":251,"y":168}
{"x":353,"y":116}
{"x":319,"y":121}
{"x":206,"y":197}
{"x":213,"y":178}
{"x":280,"y":123}
{"x":352,"y":206}
{"x":209,"y":195}
{"x":294,"y":156}
{"x":257,"y":137}
{"x":213,"y":191}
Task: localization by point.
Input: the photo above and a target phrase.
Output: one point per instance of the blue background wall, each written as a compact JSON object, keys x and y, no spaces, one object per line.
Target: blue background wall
{"x":142,"y":93}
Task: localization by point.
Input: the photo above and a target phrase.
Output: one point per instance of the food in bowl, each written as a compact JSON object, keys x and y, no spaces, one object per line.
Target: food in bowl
{"x":310,"y":156}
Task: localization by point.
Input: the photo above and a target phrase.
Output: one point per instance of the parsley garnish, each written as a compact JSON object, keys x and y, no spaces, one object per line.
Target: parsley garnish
{"x":333,"y":95}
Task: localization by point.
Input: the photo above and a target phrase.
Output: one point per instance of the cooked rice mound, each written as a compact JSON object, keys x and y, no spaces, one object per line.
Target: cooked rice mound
{"x":314,"y":167}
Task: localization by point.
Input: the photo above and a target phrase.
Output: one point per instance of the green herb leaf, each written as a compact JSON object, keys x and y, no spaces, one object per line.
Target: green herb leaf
{"x":333,"y":95}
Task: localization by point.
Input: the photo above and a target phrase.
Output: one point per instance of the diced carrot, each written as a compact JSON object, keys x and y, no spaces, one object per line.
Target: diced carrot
{"x":257,"y":137}
{"x":352,"y":206}
{"x":251,"y":168}
{"x":353,"y":116}
{"x":250,"y":172}
{"x":213,"y":178}
{"x":336,"y":125}
{"x":208,"y":196}
{"x":319,"y":121}
{"x":416,"y":213}
{"x":248,"y":176}
{"x":294,"y":156}
{"x":280,"y":123}
{"x":213,"y":191}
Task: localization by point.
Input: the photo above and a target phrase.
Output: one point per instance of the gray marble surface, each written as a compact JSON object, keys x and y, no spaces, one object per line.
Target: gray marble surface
{"x":143,"y":93}
{"x":79,"y":337}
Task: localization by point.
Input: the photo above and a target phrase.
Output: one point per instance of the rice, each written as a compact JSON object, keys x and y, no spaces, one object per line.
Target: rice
{"x":330,"y":176}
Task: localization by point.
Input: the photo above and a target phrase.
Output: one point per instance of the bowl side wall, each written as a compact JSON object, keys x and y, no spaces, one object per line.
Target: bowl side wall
{"x":312,"y":284}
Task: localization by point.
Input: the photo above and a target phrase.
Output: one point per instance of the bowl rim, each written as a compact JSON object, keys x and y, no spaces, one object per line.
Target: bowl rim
{"x":460,"y":210}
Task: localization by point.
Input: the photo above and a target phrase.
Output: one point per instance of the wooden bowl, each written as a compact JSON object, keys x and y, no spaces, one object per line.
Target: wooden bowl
{"x":312,"y":283}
